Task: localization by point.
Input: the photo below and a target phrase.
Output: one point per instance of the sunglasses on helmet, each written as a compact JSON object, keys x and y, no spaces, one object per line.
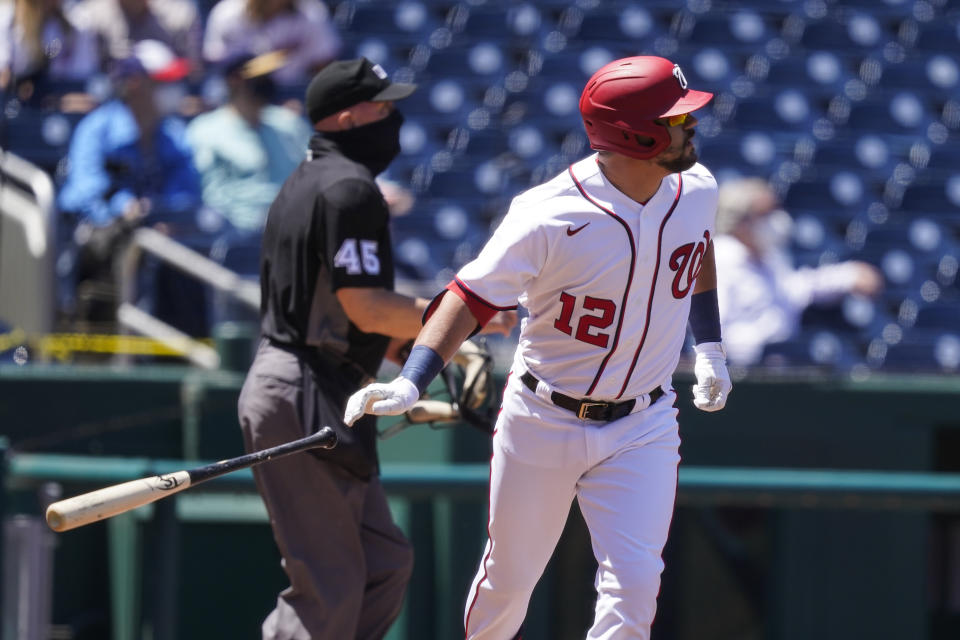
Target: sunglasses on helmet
{"x":672,"y":121}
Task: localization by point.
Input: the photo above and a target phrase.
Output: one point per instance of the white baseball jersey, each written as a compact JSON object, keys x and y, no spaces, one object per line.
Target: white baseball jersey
{"x":607,"y":281}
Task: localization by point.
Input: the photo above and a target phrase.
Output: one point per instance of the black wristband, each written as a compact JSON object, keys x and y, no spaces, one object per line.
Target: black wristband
{"x":705,"y":317}
{"x":422,"y":366}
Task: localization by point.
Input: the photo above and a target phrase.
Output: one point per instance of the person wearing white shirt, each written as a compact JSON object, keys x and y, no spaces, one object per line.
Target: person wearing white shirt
{"x":761,"y":294}
{"x":120,"y":24}
{"x":38,"y":37}
{"x":300,"y":28}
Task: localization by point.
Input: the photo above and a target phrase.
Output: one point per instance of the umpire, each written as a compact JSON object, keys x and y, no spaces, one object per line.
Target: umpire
{"x":328,"y":313}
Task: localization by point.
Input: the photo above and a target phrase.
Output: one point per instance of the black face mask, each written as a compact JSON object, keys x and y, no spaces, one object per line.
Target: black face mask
{"x":373,"y":145}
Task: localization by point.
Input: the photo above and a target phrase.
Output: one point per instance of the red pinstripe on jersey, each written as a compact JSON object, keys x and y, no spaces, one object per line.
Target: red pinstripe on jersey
{"x":626,"y":290}
{"x":653,"y":282}
{"x":633,"y":258}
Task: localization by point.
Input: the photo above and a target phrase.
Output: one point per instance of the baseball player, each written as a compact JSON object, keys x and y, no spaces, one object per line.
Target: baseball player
{"x":611,"y":259}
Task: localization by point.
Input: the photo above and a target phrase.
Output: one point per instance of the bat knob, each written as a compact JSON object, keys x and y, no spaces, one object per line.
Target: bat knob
{"x":55,"y":520}
{"x":328,"y":438}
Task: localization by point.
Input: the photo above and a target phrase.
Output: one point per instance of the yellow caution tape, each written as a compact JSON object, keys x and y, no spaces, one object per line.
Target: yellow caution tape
{"x":62,"y":345}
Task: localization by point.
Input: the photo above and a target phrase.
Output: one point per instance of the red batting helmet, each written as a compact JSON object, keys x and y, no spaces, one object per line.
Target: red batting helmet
{"x":624,"y":97}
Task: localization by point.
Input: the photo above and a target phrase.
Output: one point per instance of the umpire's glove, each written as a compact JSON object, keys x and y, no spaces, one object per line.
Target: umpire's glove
{"x":713,"y":382}
{"x":380,"y":399}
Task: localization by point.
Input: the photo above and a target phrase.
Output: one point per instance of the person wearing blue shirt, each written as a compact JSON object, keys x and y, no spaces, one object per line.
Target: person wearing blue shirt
{"x":117,"y":173}
{"x":129,"y":164}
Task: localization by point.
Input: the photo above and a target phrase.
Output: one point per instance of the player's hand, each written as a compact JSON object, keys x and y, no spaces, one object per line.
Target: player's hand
{"x":867,"y":281}
{"x":380,"y":399}
{"x":713,"y":381}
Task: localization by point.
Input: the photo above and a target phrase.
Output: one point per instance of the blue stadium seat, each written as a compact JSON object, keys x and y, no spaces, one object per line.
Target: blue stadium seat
{"x":840,"y":192}
{"x":745,"y":27}
{"x":709,"y":69}
{"x":900,"y":113}
{"x":943,"y":316}
{"x":923,"y":72}
{"x":833,"y":34}
{"x":938,"y":36}
{"x":945,"y":158}
{"x":455,"y":184}
{"x":932,"y":196}
{"x":479,"y":59}
{"x":924,"y":351}
{"x":442,"y":101}
{"x":509,"y":23}
{"x":576,"y":64}
{"x":484,"y":143}
{"x":39,"y":136}
{"x":408,"y":20}
{"x":813,"y":348}
{"x":789,"y":109}
{"x":633,"y":23}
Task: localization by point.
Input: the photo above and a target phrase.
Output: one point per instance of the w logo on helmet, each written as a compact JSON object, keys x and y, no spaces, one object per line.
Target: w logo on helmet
{"x":678,"y":74}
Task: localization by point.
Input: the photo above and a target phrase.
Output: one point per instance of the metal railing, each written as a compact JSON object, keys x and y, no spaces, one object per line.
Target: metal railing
{"x":232,"y":499}
{"x":190,"y":262}
{"x":26,"y":245}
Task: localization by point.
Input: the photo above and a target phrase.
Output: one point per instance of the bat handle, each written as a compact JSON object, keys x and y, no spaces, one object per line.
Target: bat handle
{"x":326,"y":438}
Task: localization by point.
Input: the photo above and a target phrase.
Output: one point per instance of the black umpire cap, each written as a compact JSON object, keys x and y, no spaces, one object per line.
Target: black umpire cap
{"x":344,"y":83}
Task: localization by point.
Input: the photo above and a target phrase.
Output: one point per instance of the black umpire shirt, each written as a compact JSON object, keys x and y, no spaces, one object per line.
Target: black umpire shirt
{"x":326,"y":229}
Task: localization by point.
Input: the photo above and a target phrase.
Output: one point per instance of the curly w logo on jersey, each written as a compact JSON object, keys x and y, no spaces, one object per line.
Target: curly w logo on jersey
{"x":687,"y":260}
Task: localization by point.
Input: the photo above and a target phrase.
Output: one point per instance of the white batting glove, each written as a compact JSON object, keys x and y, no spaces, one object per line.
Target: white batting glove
{"x":380,"y":399}
{"x":713,"y":382}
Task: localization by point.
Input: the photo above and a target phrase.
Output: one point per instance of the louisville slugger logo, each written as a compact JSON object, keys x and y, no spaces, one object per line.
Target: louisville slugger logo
{"x":686,"y":261}
{"x":167,"y":482}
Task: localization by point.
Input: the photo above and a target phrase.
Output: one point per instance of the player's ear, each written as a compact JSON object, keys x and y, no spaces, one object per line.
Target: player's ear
{"x":345,"y":120}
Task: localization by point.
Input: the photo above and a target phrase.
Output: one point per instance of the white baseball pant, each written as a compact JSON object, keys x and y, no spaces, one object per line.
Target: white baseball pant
{"x":624,"y":476}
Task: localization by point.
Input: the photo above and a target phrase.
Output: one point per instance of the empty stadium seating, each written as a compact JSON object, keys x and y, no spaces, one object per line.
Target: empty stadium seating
{"x":852,"y":107}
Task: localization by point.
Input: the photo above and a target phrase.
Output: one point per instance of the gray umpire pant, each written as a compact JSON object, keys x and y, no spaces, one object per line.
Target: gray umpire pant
{"x":348,"y":563}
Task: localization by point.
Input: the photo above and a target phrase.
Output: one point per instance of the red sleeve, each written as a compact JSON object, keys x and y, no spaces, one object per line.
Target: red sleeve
{"x":480,"y":308}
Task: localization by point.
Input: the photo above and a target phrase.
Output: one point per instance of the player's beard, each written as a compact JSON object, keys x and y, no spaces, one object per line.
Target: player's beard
{"x":679,"y":159}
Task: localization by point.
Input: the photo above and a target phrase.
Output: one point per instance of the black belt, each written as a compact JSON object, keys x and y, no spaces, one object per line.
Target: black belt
{"x":590,"y":409}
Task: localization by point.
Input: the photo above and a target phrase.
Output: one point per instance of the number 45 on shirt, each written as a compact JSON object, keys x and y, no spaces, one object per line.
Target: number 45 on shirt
{"x":364,"y":260}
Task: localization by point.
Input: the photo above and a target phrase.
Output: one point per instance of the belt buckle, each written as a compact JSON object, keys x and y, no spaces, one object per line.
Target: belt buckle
{"x":585,"y":406}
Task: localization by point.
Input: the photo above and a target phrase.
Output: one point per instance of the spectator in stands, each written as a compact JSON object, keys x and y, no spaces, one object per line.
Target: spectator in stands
{"x":40,"y":43}
{"x":121,"y":23}
{"x":245,"y":149}
{"x":300,"y":28}
{"x":761,"y":295}
{"x":130,"y":165}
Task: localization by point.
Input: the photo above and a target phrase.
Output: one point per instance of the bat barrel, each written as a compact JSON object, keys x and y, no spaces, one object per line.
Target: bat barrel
{"x":103,"y":503}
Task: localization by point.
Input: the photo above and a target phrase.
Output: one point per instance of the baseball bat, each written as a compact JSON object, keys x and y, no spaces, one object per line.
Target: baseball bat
{"x":107,"y":502}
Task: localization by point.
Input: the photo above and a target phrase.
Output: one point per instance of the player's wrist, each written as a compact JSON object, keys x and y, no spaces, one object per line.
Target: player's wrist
{"x":710,"y":349}
{"x":421,"y":367}
{"x":405,"y":390}
{"x":705,"y":317}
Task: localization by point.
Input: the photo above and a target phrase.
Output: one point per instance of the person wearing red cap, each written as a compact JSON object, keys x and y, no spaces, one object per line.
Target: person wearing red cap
{"x":131,"y":165}
{"x":612,"y":258}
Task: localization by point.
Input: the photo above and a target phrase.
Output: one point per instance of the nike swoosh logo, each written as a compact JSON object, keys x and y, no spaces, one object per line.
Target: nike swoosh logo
{"x":571,"y":231}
